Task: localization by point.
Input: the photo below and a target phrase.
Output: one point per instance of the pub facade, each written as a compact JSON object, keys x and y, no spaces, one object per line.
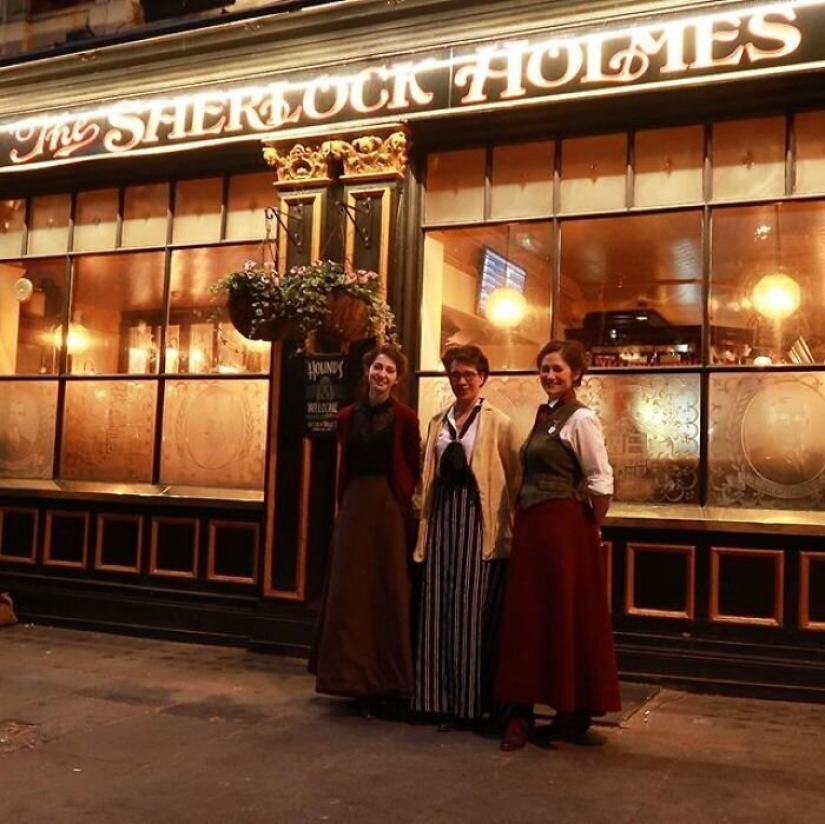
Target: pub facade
{"x":647,"y":178}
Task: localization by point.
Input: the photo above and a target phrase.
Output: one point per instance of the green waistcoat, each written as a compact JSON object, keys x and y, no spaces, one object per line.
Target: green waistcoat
{"x":551,"y":468}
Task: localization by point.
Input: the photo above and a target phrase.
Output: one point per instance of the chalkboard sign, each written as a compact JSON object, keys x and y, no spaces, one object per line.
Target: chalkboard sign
{"x":325,"y":392}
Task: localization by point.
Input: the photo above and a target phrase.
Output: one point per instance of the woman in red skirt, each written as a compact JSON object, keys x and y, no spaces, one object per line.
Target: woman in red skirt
{"x":556,"y":643}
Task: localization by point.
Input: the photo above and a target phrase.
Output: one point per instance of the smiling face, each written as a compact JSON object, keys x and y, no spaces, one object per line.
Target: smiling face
{"x":382,"y":376}
{"x":556,"y":376}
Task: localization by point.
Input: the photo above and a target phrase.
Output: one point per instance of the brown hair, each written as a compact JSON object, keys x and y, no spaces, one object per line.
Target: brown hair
{"x":392,"y":352}
{"x":572,"y":353}
{"x":469,"y":353}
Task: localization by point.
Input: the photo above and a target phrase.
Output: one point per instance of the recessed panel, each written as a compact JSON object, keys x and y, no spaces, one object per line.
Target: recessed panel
{"x":233,"y":551}
{"x":66,"y":539}
{"x":660,"y":580}
{"x":175,"y":547}
{"x":119,"y":539}
{"x":18,"y":535}
{"x":747,"y":586}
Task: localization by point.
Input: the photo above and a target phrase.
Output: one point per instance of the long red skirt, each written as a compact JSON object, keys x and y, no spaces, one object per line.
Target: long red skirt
{"x":556,"y":644}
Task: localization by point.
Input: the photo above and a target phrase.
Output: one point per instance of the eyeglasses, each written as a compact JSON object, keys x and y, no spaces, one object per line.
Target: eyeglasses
{"x":455,"y":377}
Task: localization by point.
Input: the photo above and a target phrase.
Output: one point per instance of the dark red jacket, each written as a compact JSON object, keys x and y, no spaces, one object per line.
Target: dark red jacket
{"x":406,"y":453}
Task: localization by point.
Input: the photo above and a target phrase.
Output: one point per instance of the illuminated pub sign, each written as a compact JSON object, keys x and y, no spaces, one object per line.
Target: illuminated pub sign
{"x":666,"y":52}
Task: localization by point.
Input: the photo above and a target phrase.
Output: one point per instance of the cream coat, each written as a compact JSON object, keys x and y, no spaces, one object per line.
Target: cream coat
{"x":497,"y":467}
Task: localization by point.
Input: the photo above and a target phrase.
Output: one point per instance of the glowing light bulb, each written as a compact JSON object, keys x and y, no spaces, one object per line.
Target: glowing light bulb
{"x":505,"y":307}
{"x":776,"y":296}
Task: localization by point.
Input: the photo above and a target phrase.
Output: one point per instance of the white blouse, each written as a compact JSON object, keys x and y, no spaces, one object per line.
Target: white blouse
{"x":582,"y":432}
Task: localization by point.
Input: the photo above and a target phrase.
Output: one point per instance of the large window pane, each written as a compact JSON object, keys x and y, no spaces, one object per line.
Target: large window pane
{"x":30,"y":327}
{"x":145,"y":215}
{"x":594,"y":173}
{"x":651,"y":426}
{"x":748,"y":158}
{"x":214,"y":433}
{"x":200,"y":338}
{"x":455,"y":186}
{"x":198,"y":206}
{"x":117,"y":314}
{"x":108,"y":430}
{"x":522,"y":180}
{"x":668,"y":166}
{"x":27,"y":417}
{"x":767,"y":440}
{"x":469,"y":274}
{"x":48,"y":225}
{"x":249,"y":197}
{"x":12,"y":224}
{"x":768,"y":284}
{"x":810,"y":152}
{"x":96,"y":221}
{"x":631,"y":288}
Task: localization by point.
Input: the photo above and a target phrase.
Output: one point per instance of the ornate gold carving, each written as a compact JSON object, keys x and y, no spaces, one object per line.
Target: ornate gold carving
{"x":367,"y":156}
{"x":303,"y":163}
{"x":373,"y":156}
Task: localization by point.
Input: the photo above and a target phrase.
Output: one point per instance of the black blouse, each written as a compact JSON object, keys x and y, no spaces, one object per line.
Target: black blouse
{"x":370,"y":439}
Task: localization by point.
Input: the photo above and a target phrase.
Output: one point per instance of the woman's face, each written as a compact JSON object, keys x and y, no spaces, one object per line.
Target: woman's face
{"x":556,"y":376}
{"x":465,"y":381}
{"x":382,"y":376}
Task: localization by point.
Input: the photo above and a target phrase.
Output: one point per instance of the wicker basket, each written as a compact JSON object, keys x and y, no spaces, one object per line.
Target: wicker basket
{"x":347,"y":317}
{"x":241,"y":315}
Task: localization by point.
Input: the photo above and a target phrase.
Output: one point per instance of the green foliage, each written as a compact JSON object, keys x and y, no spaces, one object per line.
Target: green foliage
{"x":303,"y":293}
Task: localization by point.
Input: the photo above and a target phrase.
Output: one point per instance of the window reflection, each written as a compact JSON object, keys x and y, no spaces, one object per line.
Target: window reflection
{"x":631,"y":288}
{"x":32,"y":301}
{"x":474,"y":280}
{"x":766,"y":262}
{"x":200,"y":339}
{"x":116,"y":314}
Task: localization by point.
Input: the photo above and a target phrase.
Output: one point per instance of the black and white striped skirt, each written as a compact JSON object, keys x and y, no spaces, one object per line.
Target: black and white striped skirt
{"x":460,"y":607}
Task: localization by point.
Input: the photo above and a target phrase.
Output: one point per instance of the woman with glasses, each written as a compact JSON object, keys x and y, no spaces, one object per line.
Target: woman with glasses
{"x":363,"y":647}
{"x":556,"y":633}
{"x":470,"y":477}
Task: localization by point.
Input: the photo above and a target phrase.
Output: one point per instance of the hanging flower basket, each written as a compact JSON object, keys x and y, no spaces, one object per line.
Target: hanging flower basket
{"x":347,"y":317}
{"x":321,"y":297}
{"x":242,"y":314}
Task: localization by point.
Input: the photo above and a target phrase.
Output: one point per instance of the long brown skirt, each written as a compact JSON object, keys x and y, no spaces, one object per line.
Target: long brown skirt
{"x":363,"y":646}
{"x":556,"y":643}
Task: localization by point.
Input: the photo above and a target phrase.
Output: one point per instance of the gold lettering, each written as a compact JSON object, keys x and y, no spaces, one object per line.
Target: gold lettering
{"x":36,"y":135}
{"x":357,"y":92}
{"x":406,"y":89}
{"x":159,"y":116}
{"x":202,"y":108}
{"x":707,"y":35}
{"x":323,"y":85}
{"x":573,"y":61}
{"x":789,"y":37}
{"x":126,"y":131}
{"x":476,"y":75}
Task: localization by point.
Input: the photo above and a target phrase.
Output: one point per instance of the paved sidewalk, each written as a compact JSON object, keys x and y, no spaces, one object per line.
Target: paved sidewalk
{"x":100,"y":728}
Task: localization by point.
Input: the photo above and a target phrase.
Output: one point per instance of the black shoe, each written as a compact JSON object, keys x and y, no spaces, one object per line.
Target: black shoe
{"x":569,"y":726}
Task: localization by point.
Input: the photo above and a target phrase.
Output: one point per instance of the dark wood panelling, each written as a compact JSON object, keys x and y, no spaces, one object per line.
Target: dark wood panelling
{"x":66,"y":539}
{"x":747,"y":586}
{"x":812,"y":591}
{"x":119,"y":542}
{"x":233,"y":552}
{"x":660,"y":580}
{"x":18,"y":535}
{"x":174,"y":550}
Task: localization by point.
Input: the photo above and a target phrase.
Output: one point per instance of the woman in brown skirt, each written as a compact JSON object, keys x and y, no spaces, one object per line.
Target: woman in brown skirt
{"x":363,"y":646}
{"x":557,"y":640}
